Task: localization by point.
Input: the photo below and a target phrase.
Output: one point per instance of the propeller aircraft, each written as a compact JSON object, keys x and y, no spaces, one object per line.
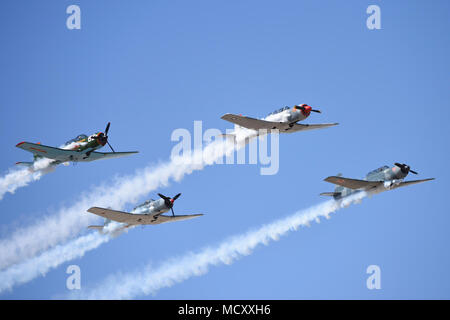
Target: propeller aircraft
{"x":151,"y":212}
{"x":285,"y":120}
{"x":80,"y":149}
{"x":379,"y":180}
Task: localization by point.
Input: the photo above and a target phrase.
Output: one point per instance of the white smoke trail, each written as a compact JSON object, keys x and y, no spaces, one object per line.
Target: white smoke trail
{"x":149,"y":281}
{"x":67,"y":222}
{"x":51,"y":259}
{"x":40,"y":265}
{"x":17,"y":178}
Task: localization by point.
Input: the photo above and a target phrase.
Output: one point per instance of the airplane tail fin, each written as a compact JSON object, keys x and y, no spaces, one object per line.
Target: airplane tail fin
{"x":36,"y":156}
{"x":337,"y":190}
{"x":30,"y":164}
{"x":228,"y":136}
{"x":232,"y":135}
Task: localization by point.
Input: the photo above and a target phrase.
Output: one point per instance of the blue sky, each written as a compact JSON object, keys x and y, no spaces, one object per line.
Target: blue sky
{"x":150,"y":67}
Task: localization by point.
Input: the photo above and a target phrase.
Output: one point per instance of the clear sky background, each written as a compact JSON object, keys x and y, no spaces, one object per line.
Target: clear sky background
{"x":150,"y":67}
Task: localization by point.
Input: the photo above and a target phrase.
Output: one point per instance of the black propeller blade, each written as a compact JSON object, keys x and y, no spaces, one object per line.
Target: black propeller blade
{"x":177,"y":196}
{"x":107,"y":128}
{"x":169,"y":201}
{"x":110,"y":146}
{"x":302,"y":107}
{"x":163,"y":196}
{"x":405,"y":168}
{"x":105,"y":136}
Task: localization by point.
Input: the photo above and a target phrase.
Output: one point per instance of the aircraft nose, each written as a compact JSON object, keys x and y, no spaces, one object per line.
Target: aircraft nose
{"x":306,"y":110}
{"x":102,"y":138}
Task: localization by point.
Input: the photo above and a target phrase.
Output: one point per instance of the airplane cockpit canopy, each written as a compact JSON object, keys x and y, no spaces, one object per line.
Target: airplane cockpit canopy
{"x":279,"y":110}
{"x":78,"y":138}
{"x":146,"y":202}
{"x":378,"y":170}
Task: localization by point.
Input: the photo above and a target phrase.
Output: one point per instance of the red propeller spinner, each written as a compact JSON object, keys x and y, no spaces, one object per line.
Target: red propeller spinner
{"x":305,"y":109}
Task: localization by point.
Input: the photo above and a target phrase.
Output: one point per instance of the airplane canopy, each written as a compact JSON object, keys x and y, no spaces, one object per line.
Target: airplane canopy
{"x":78,"y":138}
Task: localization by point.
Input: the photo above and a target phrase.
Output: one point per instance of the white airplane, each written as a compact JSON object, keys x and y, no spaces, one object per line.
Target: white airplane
{"x":148,"y":213}
{"x":285,"y":120}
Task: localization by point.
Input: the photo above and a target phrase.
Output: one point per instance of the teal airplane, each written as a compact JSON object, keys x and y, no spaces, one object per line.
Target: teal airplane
{"x":379,"y":180}
{"x":80,"y":149}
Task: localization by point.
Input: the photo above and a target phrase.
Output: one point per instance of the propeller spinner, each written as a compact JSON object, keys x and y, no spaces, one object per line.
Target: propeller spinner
{"x":405,"y":168}
{"x":103,"y":137}
{"x":306,"y":108}
{"x":169,"y":201}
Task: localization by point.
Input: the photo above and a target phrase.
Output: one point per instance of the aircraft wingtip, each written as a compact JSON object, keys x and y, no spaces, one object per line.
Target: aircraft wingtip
{"x":226,"y":115}
{"x":20,"y":143}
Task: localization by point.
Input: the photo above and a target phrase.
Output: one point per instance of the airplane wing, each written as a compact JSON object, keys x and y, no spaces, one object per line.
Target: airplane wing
{"x":106,"y":155}
{"x":258,"y":124}
{"x":49,"y":152}
{"x":250,"y":123}
{"x":353,"y":183}
{"x":119,"y":216}
{"x":304,"y":127}
{"x":137,"y":219}
{"x":164,"y":219}
{"x":408,"y":183}
{"x":63,"y":155}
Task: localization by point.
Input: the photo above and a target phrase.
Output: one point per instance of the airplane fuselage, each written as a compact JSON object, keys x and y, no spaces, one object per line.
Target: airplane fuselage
{"x":285,"y":115}
{"x":392,"y":177}
{"x":151,"y":207}
{"x":289,"y":115}
{"x":81,"y":143}
{"x":84,"y":143}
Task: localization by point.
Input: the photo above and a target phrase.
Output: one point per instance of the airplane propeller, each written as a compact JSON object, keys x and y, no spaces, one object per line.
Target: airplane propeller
{"x":405,"y":168}
{"x":103,"y":137}
{"x":303,"y":108}
{"x":169,"y":201}
{"x":107,"y":128}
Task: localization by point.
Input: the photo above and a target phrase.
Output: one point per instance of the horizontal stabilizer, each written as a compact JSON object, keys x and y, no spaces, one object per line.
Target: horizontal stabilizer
{"x":96,"y":227}
{"x":24,"y":164}
{"x":331,"y":194}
